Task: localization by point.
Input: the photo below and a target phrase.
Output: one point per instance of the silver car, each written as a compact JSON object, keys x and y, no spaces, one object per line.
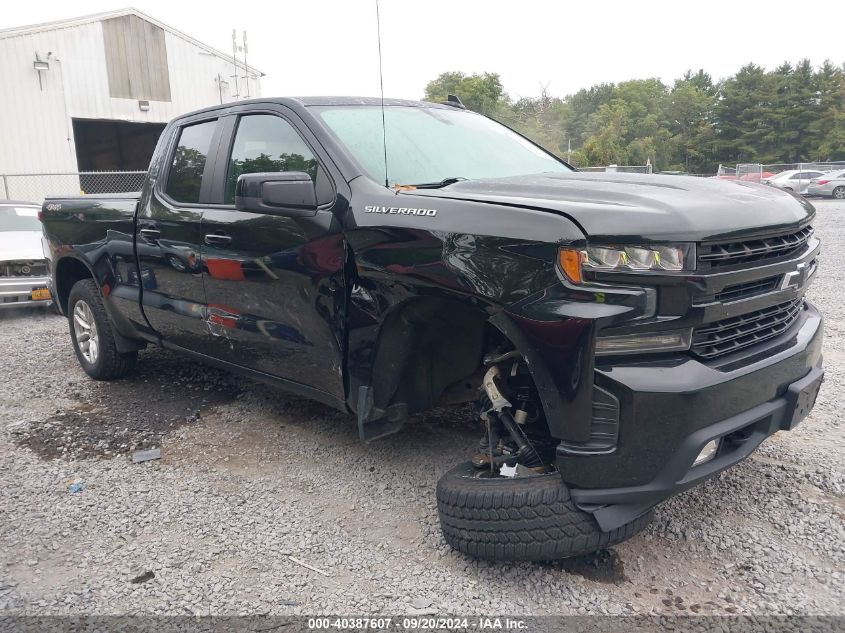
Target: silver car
{"x":796,"y":180}
{"x":831,"y":185}
{"x":23,"y":269}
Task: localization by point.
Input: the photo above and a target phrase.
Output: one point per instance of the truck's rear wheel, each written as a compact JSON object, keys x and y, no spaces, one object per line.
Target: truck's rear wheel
{"x":91,"y":334}
{"x":519,"y":518}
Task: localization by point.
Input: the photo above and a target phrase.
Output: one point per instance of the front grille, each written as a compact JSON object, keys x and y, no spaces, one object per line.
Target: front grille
{"x":729,"y":253}
{"x":735,"y":333}
{"x":23,"y":269}
{"x":741,"y":291}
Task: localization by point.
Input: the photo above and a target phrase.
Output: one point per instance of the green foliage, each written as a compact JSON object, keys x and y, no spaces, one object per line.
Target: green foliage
{"x":186,"y":174}
{"x":265,"y":163}
{"x":482,"y":93}
{"x":789,"y":114}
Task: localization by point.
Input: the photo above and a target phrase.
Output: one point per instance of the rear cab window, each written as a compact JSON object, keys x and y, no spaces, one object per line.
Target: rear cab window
{"x":184,"y":180}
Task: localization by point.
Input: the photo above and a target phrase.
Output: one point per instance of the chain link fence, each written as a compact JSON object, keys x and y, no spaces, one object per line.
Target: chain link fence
{"x":36,"y":187}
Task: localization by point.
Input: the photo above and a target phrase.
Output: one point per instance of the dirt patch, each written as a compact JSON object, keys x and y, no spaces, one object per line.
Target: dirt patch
{"x":603,"y":566}
{"x":165,"y":392}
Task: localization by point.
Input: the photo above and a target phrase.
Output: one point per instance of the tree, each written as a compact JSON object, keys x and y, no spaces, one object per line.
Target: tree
{"x":481,"y":93}
{"x":688,"y":110}
{"x":827,"y":131}
{"x":607,"y":142}
{"x":789,"y":114}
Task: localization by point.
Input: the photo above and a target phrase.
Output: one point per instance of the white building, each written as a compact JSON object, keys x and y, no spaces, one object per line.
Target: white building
{"x":93,"y":94}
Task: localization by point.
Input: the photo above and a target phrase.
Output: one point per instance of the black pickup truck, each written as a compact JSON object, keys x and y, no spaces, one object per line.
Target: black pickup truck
{"x":622,"y":336}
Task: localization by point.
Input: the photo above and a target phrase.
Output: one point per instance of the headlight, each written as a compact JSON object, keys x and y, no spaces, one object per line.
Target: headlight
{"x":621,"y":258}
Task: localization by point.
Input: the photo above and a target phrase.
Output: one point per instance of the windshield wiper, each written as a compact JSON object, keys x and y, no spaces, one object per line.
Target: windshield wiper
{"x":437,"y":185}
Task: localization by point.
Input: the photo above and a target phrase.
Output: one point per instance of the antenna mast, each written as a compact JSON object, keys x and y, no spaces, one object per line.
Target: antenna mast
{"x":235,"y":61}
{"x":246,"y":68}
{"x":381,"y":86}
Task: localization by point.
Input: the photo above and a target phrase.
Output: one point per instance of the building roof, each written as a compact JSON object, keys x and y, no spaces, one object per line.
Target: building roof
{"x":99,"y":17}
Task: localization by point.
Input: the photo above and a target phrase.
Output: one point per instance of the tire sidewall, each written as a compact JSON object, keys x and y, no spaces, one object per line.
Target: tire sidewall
{"x":841,"y":191}
{"x":520,"y":518}
{"x":81,"y":291}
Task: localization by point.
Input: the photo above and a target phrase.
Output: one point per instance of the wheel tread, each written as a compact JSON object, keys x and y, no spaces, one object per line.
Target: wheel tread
{"x":525,"y":518}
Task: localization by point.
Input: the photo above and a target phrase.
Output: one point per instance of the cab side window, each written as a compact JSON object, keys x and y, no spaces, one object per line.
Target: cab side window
{"x":185,"y":178}
{"x":267,"y":143}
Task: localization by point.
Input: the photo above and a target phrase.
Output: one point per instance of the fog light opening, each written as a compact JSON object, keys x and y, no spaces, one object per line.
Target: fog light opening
{"x":707,"y":453}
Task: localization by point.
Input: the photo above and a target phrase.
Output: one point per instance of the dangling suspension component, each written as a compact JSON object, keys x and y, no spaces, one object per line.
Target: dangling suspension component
{"x":505,"y":447}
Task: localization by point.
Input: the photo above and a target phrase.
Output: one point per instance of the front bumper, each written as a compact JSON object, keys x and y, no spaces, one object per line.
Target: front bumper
{"x":18,"y":291}
{"x":671,"y":408}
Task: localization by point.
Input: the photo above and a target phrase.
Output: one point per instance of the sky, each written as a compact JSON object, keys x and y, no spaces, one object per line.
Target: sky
{"x":329,"y":47}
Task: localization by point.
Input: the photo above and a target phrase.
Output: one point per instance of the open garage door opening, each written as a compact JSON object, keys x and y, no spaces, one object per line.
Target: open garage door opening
{"x":110,"y":146}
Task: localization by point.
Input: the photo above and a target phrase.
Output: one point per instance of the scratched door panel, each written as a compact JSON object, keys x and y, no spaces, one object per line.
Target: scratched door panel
{"x":273,"y":297}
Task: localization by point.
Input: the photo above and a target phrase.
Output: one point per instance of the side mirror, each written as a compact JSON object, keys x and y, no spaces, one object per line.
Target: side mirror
{"x":290,"y":194}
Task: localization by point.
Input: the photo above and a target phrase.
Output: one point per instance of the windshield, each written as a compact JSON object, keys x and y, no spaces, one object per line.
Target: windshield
{"x":430,"y":145}
{"x":19,"y":219}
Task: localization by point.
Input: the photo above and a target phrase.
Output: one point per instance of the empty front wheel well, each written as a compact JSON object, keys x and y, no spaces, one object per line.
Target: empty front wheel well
{"x":425,"y":347}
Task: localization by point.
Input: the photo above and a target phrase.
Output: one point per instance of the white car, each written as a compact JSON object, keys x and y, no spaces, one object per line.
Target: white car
{"x":831,"y":185}
{"x":796,"y":180}
{"x":23,"y":269}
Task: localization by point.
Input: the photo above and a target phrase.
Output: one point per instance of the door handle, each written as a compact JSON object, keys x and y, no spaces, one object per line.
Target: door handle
{"x":217,"y":239}
{"x":150,"y":234}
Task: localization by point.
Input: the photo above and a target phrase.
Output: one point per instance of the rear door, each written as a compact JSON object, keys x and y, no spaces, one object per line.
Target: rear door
{"x":169,"y":237}
{"x":274,"y":284}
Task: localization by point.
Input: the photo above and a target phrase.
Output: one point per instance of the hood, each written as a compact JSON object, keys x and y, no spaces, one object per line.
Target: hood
{"x":16,"y":245}
{"x":640,"y":207}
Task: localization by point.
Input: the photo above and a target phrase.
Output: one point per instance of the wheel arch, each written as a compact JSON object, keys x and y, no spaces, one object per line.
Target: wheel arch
{"x":70,"y":270}
{"x":424,"y":345}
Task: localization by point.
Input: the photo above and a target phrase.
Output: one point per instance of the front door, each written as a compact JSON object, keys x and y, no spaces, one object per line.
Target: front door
{"x":274,"y":284}
{"x":169,"y":239}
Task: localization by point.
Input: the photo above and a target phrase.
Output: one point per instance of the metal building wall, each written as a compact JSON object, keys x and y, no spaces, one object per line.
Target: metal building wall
{"x":136,"y":59}
{"x":36,"y":134}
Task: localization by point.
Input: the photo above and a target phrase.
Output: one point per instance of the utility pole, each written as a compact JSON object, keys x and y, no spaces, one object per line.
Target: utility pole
{"x":221,"y":83}
{"x":569,"y":151}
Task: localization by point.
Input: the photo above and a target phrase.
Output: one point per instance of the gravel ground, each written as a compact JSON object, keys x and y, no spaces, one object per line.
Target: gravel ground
{"x":250,"y":478}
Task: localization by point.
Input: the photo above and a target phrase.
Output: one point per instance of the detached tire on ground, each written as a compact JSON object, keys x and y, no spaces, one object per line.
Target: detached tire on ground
{"x":92,"y":336}
{"x":522,"y":518}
